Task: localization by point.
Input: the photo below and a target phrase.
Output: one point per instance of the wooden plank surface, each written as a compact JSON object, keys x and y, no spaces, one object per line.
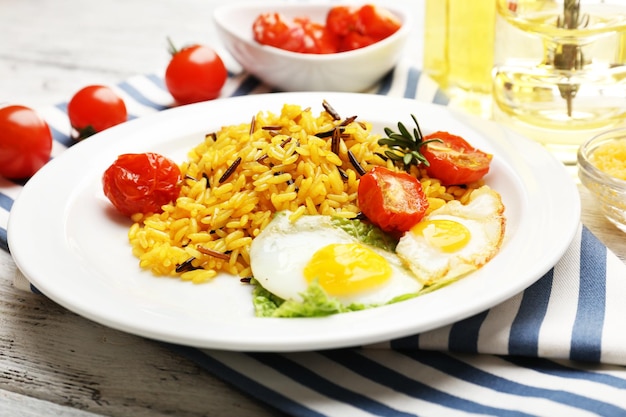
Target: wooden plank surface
{"x":51,"y":355}
{"x":50,"y":49}
{"x":53,"y":362}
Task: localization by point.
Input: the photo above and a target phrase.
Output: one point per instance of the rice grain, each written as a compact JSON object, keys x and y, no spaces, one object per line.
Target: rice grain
{"x":238,"y":177}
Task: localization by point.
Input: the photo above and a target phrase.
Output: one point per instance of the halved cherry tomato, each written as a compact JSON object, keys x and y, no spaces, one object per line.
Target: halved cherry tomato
{"x":95,"y":108}
{"x":454,"y":160}
{"x":341,"y":20}
{"x":394,"y":201}
{"x":25,"y":142}
{"x":274,"y":29}
{"x":346,"y":28}
{"x":376,"y":22}
{"x":141,"y":183}
{"x":360,"y":27}
{"x":195,"y":73}
{"x":317,"y":40}
{"x":354,"y":40}
{"x":297,"y":35}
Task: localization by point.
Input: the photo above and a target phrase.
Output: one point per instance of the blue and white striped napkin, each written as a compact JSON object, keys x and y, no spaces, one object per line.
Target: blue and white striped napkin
{"x":556,"y":349}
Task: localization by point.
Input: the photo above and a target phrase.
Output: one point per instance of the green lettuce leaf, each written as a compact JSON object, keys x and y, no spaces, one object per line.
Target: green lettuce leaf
{"x":315,"y":303}
{"x":366,"y":233}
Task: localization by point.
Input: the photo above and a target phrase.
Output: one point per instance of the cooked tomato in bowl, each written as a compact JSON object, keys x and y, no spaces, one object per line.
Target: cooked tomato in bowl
{"x":346,"y":28}
{"x":354,"y":70}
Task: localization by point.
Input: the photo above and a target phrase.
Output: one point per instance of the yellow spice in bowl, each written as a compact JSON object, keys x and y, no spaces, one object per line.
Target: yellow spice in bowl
{"x":610,"y":158}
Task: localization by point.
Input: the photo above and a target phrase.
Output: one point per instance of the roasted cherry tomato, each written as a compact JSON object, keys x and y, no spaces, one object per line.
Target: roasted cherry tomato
{"x":394,"y":201}
{"x":95,"y":108}
{"x":195,"y":73}
{"x":141,"y":183}
{"x":453,"y":160}
{"x":25,"y":142}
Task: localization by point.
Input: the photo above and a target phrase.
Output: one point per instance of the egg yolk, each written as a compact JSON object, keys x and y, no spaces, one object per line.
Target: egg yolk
{"x":343,"y":269}
{"x":447,"y":235}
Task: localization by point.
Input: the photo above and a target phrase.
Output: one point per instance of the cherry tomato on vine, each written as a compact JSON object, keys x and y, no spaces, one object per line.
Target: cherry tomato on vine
{"x":195,"y":73}
{"x":141,"y":183}
{"x":394,"y":201}
{"x":454,"y":160}
{"x":95,"y":108}
{"x":25,"y":142}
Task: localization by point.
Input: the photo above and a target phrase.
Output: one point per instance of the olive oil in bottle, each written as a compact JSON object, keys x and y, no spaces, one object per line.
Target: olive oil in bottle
{"x":560,"y":68}
{"x":458,"y":50}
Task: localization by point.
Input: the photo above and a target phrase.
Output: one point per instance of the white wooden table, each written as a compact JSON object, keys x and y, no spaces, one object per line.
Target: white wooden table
{"x":53,"y":362}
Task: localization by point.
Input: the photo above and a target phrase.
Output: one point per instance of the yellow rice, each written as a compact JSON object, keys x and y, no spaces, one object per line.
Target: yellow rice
{"x":286,"y":169}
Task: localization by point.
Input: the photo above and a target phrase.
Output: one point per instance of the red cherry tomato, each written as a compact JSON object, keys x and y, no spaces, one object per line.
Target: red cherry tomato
{"x":346,"y":28}
{"x":394,"y":201}
{"x":95,"y":108}
{"x":273,"y":29}
{"x":354,"y":40}
{"x":341,"y":20}
{"x":141,"y":183}
{"x":300,"y":35}
{"x":25,"y":142}
{"x":454,"y":160}
{"x":195,"y":73}
{"x":376,"y":22}
{"x":360,"y":27}
{"x":317,"y":40}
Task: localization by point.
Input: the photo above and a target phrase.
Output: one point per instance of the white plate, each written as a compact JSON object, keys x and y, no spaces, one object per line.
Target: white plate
{"x":68,"y":242}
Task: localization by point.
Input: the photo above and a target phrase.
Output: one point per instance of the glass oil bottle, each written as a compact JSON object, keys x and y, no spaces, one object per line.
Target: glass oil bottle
{"x":560,"y":67}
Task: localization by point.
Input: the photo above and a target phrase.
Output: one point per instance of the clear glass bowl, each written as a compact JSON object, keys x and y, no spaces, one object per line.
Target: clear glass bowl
{"x":609,"y":190}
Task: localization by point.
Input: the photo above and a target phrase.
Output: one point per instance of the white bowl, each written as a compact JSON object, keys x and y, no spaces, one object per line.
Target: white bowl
{"x":351,"y":71}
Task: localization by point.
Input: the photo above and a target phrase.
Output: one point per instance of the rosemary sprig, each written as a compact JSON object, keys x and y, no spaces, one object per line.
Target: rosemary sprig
{"x":404,"y":147}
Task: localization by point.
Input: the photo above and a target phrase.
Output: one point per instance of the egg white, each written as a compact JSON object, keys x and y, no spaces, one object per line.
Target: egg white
{"x":482,"y":216}
{"x":279,"y":254}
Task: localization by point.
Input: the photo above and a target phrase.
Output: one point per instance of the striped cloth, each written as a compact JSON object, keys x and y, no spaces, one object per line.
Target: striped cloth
{"x":556,"y":349}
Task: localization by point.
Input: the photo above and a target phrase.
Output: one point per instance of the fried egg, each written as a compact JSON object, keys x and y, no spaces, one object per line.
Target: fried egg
{"x":287,"y":256}
{"x":455,"y":239}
